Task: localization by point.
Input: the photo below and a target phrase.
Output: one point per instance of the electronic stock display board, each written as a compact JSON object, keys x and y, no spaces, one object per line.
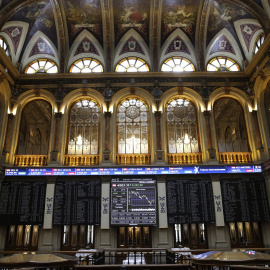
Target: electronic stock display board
{"x":77,"y":202}
{"x":133,"y":201}
{"x":132,"y":170}
{"x":190,"y":201}
{"x":22,"y":202}
{"x":245,"y":199}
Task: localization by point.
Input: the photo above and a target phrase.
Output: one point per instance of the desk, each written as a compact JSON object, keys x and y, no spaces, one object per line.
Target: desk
{"x":83,"y":254}
{"x":182,"y":255}
{"x":131,"y":259}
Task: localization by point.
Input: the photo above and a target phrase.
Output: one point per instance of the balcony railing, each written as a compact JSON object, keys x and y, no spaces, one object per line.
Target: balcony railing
{"x":133,"y":159}
{"x":31,"y":160}
{"x":81,"y":160}
{"x":185,"y":158}
{"x":235,"y":157}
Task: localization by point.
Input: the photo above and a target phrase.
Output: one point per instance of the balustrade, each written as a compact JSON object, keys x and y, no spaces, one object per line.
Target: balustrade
{"x":81,"y":160}
{"x":185,"y":158}
{"x":133,"y":159}
{"x":235,"y":157}
{"x":31,"y":160}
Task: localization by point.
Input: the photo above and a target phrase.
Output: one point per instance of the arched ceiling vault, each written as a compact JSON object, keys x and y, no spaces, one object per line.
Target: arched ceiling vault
{"x":108,"y":21}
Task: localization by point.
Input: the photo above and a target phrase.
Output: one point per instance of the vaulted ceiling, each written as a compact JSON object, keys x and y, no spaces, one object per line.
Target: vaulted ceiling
{"x":109,"y":30}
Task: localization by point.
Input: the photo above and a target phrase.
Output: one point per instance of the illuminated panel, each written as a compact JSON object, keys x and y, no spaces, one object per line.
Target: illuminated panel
{"x":67,"y":171}
{"x":133,"y":201}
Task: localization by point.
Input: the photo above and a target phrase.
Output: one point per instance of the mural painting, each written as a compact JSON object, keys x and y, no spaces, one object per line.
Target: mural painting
{"x":131,"y":14}
{"x":84,"y":15}
{"x":179,"y":14}
{"x":222,"y":15}
{"x":4,"y":3}
{"x":39,"y":16}
{"x":259,"y":2}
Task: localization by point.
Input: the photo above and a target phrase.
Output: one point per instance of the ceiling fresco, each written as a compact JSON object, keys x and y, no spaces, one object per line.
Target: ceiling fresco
{"x":82,"y":15}
{"x":259,"y":2}
{"x":131,"y":14}
{"x":4,"y":3}
{"x":223,"y":14}
{"x":179,"y":14}
{"x":160,"y":28}
{"x":40,"y":17}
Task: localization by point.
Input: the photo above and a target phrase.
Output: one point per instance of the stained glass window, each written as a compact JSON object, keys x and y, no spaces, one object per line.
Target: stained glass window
{"x":132,"y":64}
{"x":259,"y":41}
{"x":86,"y":65}
{"x":222,"y":63}
{"x":84,"y":128}
{"x":133,"y":127}
{"x":182,"y":126}
{"x":5,"y":47}
{"x":41,"y":66}
{"x":177,"y":64}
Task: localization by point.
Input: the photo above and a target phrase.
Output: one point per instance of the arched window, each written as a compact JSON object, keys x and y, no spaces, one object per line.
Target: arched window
{"x":222,"y":63}
{"x":230,"y":126}
{"x":132,"y":64}
{"x":83,"y":128}
{"x":133,"y":127}
{"x":259,"y":41}
{"x":182,"y":128}
{"x":177,"y":64}
{"x":5,"y":47}
{"x":86,"y":65}
{"x":35,"y":128}
{"x":41,"y":66}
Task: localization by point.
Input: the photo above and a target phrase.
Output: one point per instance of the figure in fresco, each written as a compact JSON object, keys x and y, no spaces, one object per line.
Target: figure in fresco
{"x":133,"y":16}
{"x":83,"y":15}
{"x":180,"y":16}
{"x":37,"y":13}
{"x":223,"y":13}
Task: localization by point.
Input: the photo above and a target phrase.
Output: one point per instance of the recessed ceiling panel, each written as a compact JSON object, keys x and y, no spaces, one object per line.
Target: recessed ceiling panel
{"x":179,"y":14}
{"x":85,"y":14}
{"x":131,"y":14}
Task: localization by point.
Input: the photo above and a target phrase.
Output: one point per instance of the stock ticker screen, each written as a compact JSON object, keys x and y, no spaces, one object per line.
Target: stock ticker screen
{"x":133,"y":201}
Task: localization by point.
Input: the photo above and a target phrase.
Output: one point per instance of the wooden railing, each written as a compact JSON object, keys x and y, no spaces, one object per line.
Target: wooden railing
{"x":235,"y":157}
{"x":133,"y":159}
{"x":31,"y":160}
{"x":185,"y":158}
{"x":81,"y":160}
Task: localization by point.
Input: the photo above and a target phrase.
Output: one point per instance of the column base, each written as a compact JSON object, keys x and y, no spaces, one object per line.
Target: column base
{"x":4,"y":157}
{"x":160,"y":157}
{"x":212,"y":156}
{"x":54,"y":158}
{"x":106,"y":157}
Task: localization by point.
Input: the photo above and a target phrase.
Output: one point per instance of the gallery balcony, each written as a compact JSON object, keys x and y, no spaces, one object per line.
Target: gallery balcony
{"x":235,"y":157}
{"x":133,"y":159}
{"x":185,"y":158}
{"x":31,"y":160}
{"x":81,"y":160}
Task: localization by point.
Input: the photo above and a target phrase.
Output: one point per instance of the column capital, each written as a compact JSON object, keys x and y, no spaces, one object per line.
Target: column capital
{"x":207,"y":113}
{"x":108,"y":114}
{"x":157,"y":113}
{"x":10,"y":116}
{"x":58,"y":115}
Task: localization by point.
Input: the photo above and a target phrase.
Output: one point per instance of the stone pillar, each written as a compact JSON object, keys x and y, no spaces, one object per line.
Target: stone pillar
{"x":211,"y":150}
{"x":159,"y":151}
{"x":163,"y":239}
{"x":55,"y":152}
{"x":220,"y":228}
{"x":265,"y":226}
{"x":47,"y":232}
{"x":107,"y":151}
{"x":105,"y":214}
{"x":257,"y":130}
{"x":5,"y":153}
